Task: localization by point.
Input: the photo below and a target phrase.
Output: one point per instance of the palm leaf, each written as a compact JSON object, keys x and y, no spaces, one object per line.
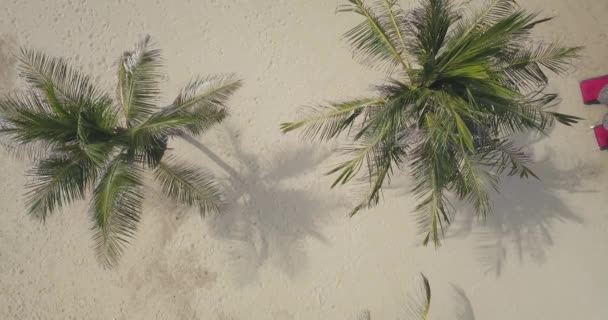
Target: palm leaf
{"x":116,"y":209}
{"x":503,"y":156}
{"x":380,"y":164}
{"x":377,"y":40}
{"x":472,"y":183}
{"x":58,"y":181}
{"x":420,"y":305}
{"x":432,"y":167}
{"x":138,"y":81}
{"x":63,"y":87}
{"x":523,"y":67}
{"x":27,"y":119}
{"x":149,"y":139}
{"x":206,"y":94}
{"x":326,"y":122}
{"x":429,"y":25}
{"x":491,"y":12}
{"x":189,"y":185}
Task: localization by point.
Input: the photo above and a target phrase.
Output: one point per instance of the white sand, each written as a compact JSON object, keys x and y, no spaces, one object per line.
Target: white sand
{"x":286,"y":250}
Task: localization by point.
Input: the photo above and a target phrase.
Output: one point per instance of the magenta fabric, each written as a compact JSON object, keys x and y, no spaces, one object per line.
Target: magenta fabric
{"x":601,"y":135}
{"x":591,"y":89}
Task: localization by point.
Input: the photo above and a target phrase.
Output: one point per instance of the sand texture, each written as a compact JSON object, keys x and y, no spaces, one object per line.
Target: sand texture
{"x":286,"y":249}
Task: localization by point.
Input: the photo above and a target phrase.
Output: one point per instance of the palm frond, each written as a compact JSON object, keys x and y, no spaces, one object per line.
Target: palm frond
{"x":380,"y":163}
{"x":378,"y":133}
{"x":503,"y":156}
{"x":377,"y":40}
{"x":149,"y":139}
{"x":28,"y":118}
{"x":58,"y":181}
{"x":29,"y":153}
{"x":207,"y":95}
{"x":63,"y":87}
{"x":433,"y":166}
{"x":429,"y":25}
{"x":189,"y":185}
{"x":116,"y":209}
{"x":472,"y":183}
{"x":490,"y":13}
{"x":420,"y":304}
{"x":175,"y":122}
{"x":523,"y":67}
{"x":481,"y":47}
{"x":327,"y":122}
{"x":139,"y":76}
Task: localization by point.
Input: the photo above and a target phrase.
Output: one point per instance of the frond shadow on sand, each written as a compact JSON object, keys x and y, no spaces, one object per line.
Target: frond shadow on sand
{"x":270,"y":213}
{"x":464,"y":308}
{"x":525,"y":213}
{"x":7,"y":63}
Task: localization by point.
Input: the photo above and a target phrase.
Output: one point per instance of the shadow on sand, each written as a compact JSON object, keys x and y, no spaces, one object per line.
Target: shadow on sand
{"x":524,"y":215}
{"x":7,"y":63}
{"x":464,"y":308}
{"x":269,"y":214}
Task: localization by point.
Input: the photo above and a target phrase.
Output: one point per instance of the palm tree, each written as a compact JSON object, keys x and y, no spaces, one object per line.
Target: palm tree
{"x":460,"y":85}
{"x":81,"y":140}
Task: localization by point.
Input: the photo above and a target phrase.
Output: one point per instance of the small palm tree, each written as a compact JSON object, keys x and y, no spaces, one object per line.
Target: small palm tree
{"x":81,"y":140}
{"x":460,"y":85}
{"x":419,"y":305}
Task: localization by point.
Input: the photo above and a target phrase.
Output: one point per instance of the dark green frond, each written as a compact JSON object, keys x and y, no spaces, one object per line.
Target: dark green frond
{"x":480,"y":48}
{"x":27,"y":119}
{"x":97,"y":123}
{"x":471,"y":183}
{"x":189,"y":185}
{"x":139,"y":76}
{"x":64,"y":88}
{"x":149,"y":139}
{"x":433,"y":166}
{"x":116,"y":209}
{"x":429,"y":25}
{"x":57,"y":182}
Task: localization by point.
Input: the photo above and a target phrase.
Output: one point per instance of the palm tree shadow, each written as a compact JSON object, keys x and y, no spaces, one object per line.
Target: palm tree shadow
{"x":464,"y":308}
{"x":524,"y":215}
{"x":270,"y":213}
{"x":7,"y":63}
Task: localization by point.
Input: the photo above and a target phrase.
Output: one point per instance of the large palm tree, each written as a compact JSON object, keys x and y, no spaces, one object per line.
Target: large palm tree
{"x":82,"y":140}
{"x":461,"y":83}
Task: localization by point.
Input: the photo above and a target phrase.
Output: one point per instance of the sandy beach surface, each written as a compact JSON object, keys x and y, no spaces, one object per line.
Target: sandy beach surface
{"x":286,"y":249}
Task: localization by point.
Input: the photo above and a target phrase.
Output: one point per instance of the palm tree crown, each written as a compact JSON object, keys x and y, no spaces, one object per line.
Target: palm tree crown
{"x":460,"y":85}
{"x":81,"y":140}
